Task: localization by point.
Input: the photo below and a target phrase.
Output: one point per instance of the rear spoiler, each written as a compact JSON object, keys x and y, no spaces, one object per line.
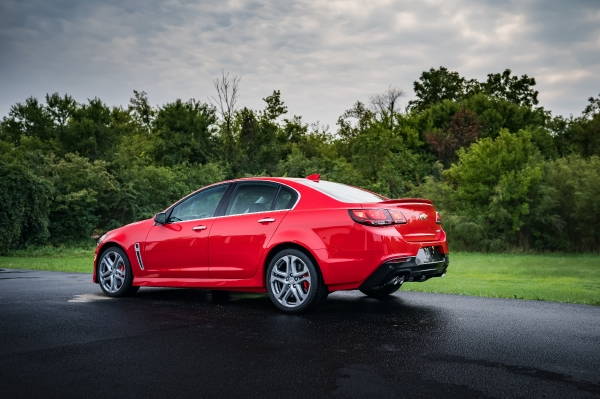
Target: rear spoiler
{"x":407,"y":201}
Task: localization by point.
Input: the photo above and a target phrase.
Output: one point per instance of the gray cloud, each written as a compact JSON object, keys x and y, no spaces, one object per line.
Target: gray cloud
{"x":322,"y":55}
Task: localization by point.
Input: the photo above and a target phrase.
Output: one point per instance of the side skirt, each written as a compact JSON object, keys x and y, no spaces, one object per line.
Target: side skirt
{"x":247,"y":285}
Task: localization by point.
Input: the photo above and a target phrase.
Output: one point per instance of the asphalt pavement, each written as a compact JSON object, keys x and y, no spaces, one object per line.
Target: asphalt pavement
{"x":61,"y":337}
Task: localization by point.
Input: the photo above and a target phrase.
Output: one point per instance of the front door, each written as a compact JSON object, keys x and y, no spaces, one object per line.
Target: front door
{"x":238,"y":239}
{"x":179,"y":248}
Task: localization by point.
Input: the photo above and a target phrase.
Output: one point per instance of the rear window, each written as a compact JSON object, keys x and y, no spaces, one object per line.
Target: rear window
{"x":344,"y":193}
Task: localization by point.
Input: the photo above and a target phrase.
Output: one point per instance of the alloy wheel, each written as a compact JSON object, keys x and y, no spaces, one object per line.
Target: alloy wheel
{"x":290,"y":281}
{"x":112,"y":271}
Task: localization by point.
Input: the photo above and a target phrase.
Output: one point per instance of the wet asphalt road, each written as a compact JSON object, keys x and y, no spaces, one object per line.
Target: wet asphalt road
{"x":60,"y":337}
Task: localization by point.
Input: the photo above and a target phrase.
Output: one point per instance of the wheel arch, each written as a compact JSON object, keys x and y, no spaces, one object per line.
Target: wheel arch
{"x":288,"y":245}
{"x":104,"y":247}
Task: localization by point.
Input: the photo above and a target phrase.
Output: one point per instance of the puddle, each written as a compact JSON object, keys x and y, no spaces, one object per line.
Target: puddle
{"x":89,"y":298}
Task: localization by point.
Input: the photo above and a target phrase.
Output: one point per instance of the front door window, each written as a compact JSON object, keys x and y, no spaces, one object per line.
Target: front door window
{"x":200,"y":206}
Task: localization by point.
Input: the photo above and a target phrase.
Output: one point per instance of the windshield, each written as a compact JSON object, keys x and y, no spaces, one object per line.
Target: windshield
{"x":343,"y":192}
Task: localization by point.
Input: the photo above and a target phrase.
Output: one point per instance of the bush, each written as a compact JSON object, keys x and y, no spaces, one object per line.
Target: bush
{"x":488,"y":193}
{"x":574,"y":183}
{"x":84,"y":195}
{"x":501,"y":195}
{"x":24,"y":212}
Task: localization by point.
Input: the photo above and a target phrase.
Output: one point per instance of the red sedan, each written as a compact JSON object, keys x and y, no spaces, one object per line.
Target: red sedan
{"x":297,"y":239}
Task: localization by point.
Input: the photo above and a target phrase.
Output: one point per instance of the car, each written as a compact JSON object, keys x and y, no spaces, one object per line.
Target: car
{"x":297,"y":239}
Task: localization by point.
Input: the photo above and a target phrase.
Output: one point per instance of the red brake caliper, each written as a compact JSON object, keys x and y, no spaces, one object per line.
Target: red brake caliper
{"x":305,"y":283}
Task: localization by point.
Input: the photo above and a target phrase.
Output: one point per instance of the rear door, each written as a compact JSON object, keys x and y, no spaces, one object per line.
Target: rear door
{"x":238,"y":239}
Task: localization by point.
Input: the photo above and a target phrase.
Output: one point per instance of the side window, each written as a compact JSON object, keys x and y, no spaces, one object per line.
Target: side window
{"x":286,"y":199}
{"x":199,"y":206}
{"x":251,"y":198}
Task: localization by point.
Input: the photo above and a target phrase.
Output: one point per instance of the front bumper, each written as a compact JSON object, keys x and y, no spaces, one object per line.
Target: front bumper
{"x":411,"y":268}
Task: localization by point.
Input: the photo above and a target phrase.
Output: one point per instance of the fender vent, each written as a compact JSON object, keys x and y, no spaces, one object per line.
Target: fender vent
{"x":139,"y":255}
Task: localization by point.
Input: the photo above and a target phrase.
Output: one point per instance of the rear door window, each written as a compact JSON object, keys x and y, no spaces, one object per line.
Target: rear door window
{"x":286,"y":199}
{"x":251,"y":198}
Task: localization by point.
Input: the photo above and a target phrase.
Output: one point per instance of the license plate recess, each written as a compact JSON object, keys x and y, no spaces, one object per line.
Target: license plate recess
{"x":429,"y":255}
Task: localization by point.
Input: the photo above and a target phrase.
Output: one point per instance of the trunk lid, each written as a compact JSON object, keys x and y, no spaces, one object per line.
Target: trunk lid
{"x":420,"y":217}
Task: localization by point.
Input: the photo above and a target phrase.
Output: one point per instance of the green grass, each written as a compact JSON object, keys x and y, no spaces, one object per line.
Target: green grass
{"x":77,"y":260}
{"x":76,"y":265}
{"x":557,"y":277}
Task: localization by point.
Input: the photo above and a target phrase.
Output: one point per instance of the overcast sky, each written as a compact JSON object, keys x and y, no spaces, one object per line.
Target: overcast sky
{"x":322,"y":55}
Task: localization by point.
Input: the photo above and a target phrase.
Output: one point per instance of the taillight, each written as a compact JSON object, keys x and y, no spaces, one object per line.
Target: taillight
{"x":397,"y":216}
{"x":377,"y":217}
{"x":438,"y":218}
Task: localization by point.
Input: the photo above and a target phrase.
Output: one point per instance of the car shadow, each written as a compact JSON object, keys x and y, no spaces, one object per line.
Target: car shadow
{"x":346,"y":304}
{"x":349,"y":328}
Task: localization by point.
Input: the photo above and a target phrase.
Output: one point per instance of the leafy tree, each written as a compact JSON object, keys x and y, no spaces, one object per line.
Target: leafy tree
{"x":184,"y":133}
{"x":511,"y":88}
{"x":493,"y":113}
{"x":61,"y":110}
{"x":63,"y":126}
{"x":437,"y":85}
{"x":91,"y":132}
{"x":463,"y":129}
{"x":24,"y":211}
{"x":363,"y":116}
{"x":30,"y":119}
{"x":579,"y":135}
{"x":275,"y":107}
{"x":141,"y":110}
{"x":259,"y":147}
{"x":489,"y":191}
{"x":297,"y":164}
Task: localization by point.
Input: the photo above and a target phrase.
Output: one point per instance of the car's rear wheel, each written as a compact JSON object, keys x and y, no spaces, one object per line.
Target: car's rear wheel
{"x":385,"y":290}
{"x":294,"y":283}
{"x":114,"y":273}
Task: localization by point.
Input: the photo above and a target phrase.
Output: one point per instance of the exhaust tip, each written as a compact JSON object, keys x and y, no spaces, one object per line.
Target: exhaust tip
{"x":396,"y":280}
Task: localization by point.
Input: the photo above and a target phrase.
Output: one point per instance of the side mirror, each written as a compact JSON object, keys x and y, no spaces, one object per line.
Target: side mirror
{"x":160,"y":218}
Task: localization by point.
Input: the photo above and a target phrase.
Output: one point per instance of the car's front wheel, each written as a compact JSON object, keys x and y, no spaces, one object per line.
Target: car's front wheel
{"x":294,"y":282}
{"x":114,"y":273}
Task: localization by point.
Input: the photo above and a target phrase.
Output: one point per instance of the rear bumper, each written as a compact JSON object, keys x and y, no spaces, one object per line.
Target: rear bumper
{"x":410,"y":269}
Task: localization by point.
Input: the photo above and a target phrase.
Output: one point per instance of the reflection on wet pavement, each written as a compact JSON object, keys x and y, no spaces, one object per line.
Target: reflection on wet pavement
{"x":185,"y":342}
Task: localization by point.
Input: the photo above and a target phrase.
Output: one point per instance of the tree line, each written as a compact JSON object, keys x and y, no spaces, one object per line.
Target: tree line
{"x":504,"y":173}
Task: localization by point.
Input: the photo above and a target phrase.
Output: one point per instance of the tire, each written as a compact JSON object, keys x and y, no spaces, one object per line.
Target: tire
{"x":383,"y":291}
{"x":114,"y":265}
{"x":324,"y":296}
{"x":294,"y":282}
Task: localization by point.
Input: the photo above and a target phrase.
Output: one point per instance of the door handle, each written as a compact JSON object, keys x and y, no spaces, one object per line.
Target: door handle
{"x":266,"y":220}
{"x":198,"y":228}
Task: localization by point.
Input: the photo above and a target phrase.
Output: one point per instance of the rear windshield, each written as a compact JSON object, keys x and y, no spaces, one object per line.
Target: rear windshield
{"x":343,"y":192}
